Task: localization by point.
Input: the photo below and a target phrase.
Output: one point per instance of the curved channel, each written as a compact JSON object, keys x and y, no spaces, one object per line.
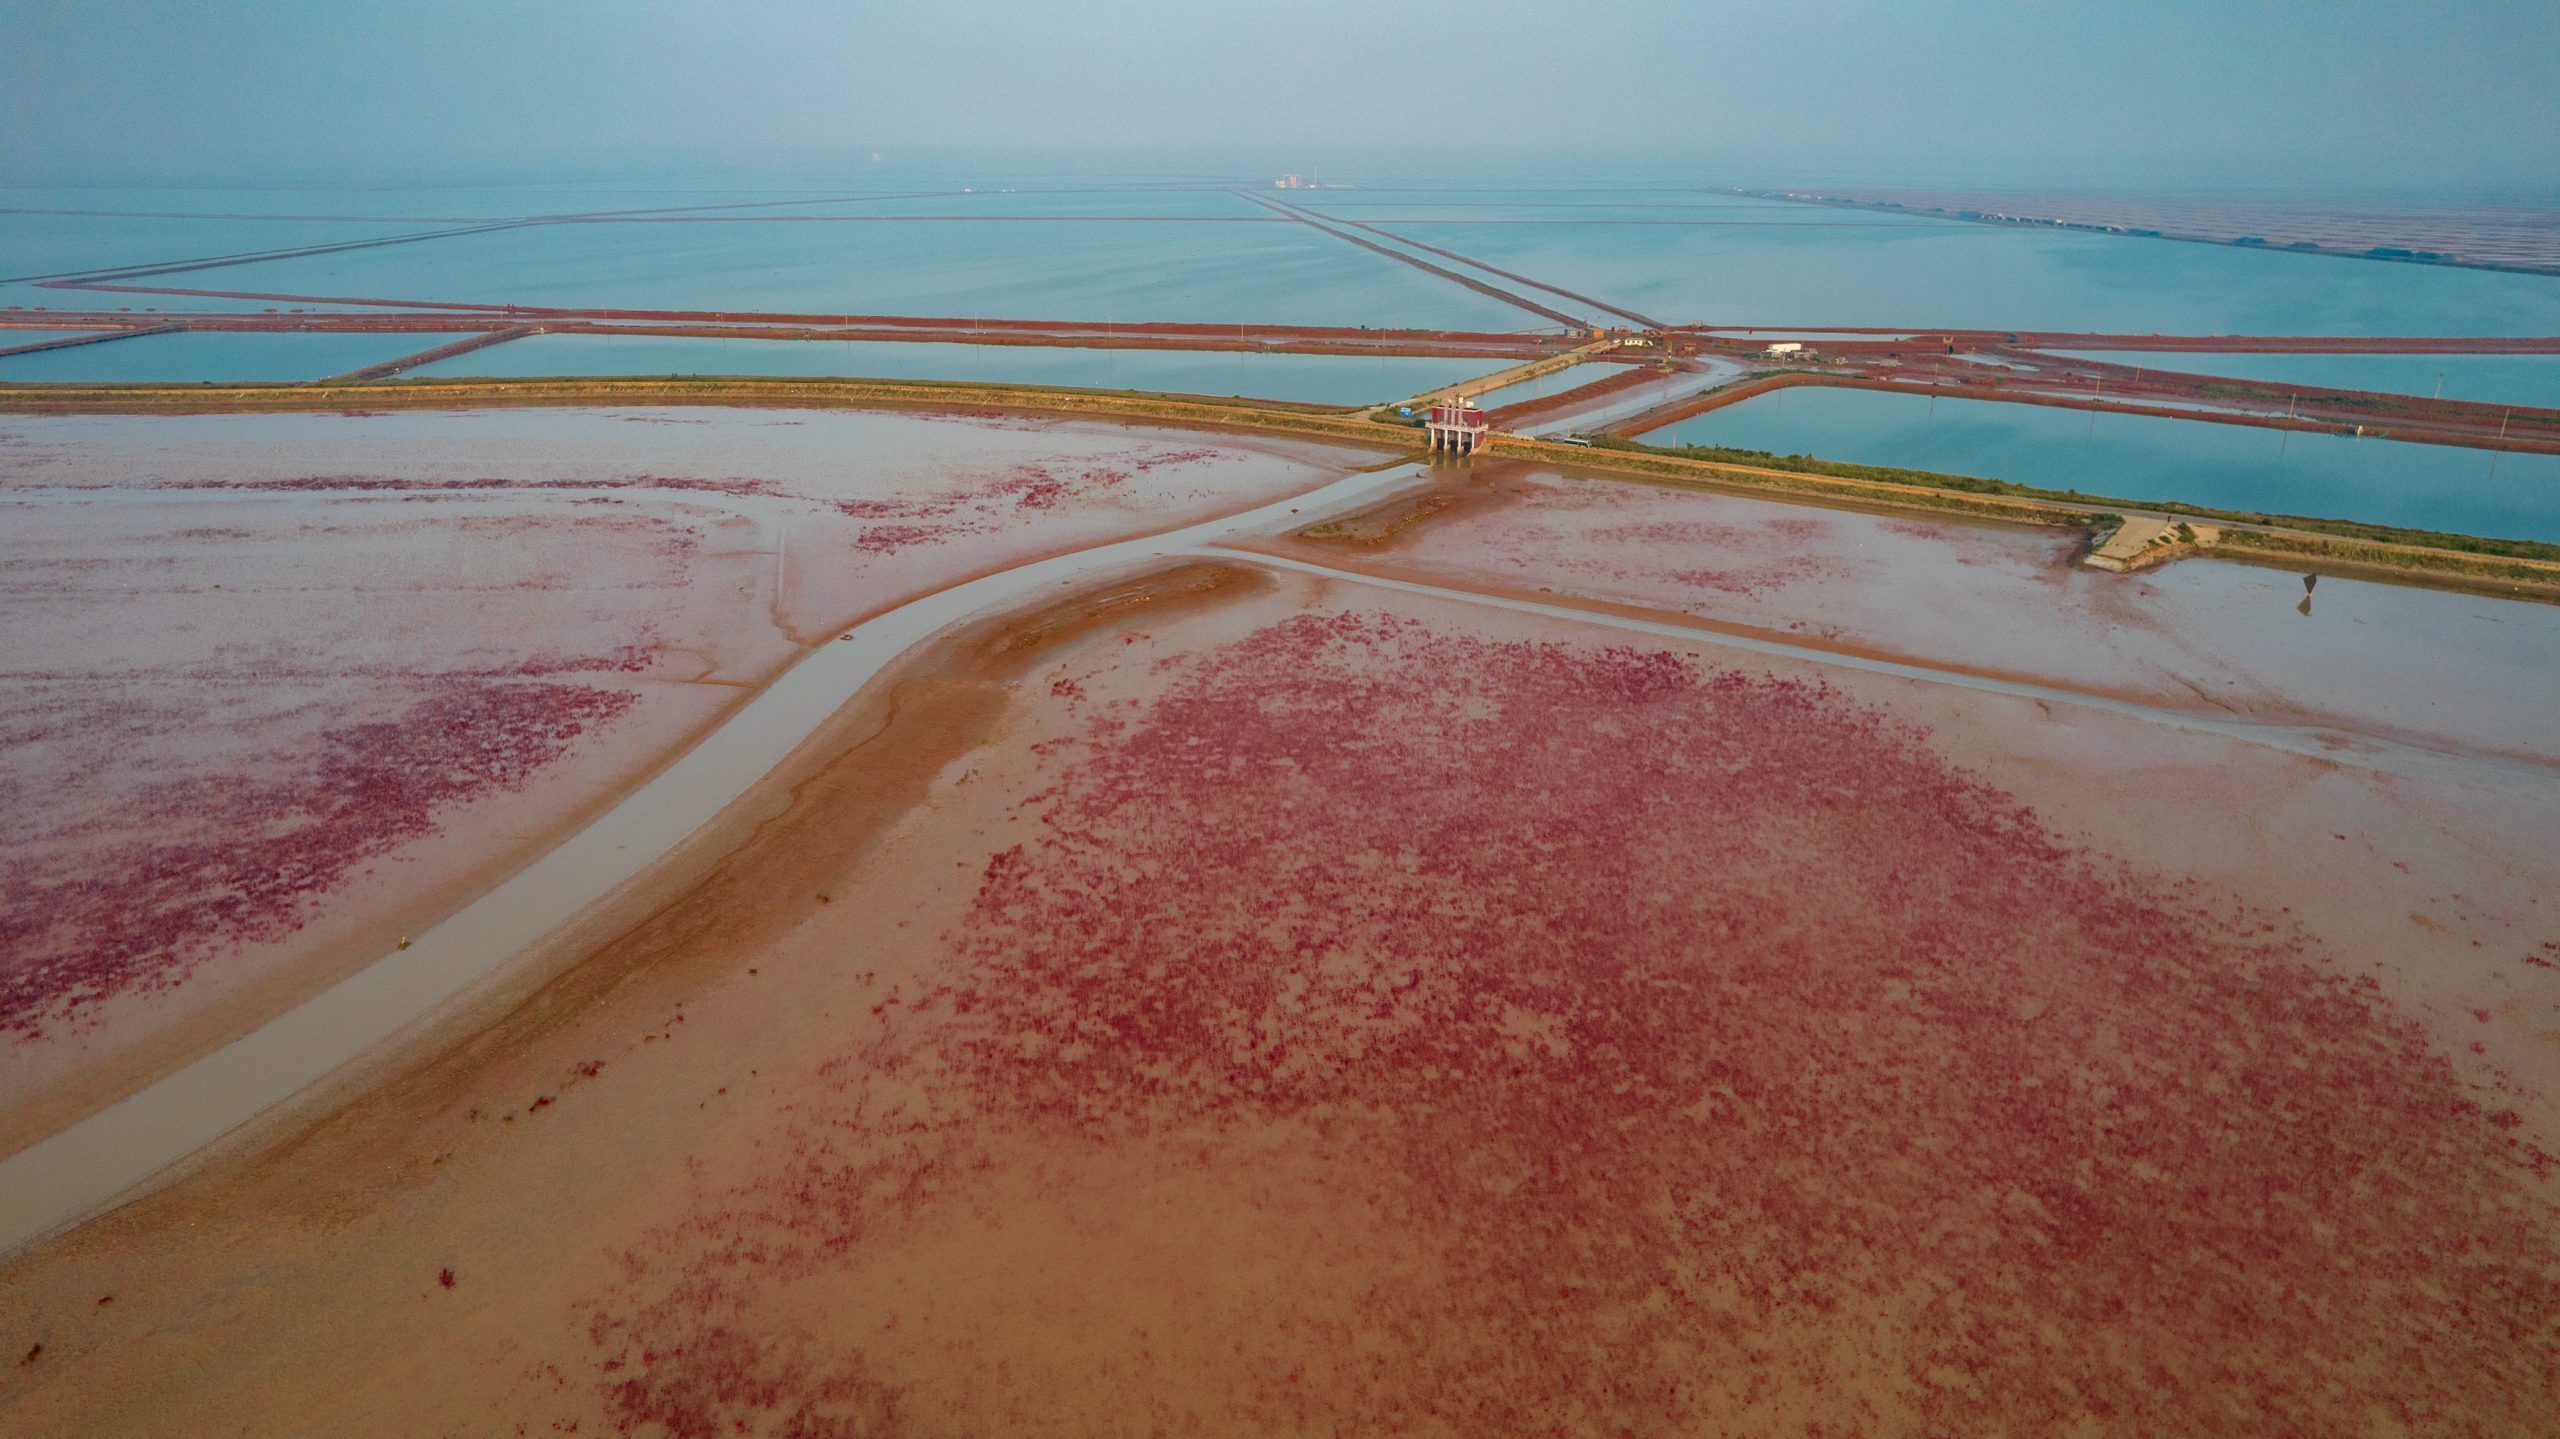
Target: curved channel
{"x":91,"y":1165}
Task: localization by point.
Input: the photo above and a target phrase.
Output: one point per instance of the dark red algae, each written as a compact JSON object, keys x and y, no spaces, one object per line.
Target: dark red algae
{"x":1710,"y":1054}
{"x":230,"y":860}
{"x":1030,"y":485}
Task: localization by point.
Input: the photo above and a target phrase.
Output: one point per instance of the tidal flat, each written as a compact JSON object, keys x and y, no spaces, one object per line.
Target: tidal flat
{"x":1503,"y":978}
{"x":338,"y":698}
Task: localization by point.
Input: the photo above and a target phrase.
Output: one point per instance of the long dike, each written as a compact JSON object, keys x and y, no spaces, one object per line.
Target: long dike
{"x":2446,"y":561}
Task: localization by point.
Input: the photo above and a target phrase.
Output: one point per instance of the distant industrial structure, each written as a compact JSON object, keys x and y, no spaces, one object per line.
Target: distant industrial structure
{"x":1456,"y":428}
{"x":1291,"y":182}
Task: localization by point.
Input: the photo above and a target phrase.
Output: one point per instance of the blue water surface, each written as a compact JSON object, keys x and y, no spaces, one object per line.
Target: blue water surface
{"x":1315,"y":379}
{"x":2150,"y":459}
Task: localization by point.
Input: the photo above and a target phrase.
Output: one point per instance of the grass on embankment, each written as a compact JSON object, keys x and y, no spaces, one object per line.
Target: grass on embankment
{"x":1969,"y":484}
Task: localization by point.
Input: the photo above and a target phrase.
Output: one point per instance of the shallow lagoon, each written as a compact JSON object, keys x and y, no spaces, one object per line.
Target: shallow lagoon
{"x":214,"y":357}
{"x":2145,"y":458}
{"x":2489,"y":379}
{"x":1682,"y":254}
{"x":1314,"y":379}
{"x":1883,"y":271}
{"x":37,"y":245}
{"x":1396,"y":207}
{"x":1159,"y":270}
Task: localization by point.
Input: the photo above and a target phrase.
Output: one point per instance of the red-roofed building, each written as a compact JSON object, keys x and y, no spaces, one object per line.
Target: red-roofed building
{"x":1458,"y":428}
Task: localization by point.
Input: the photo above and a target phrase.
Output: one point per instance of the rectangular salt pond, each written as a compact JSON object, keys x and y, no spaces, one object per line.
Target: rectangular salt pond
{"x":2147,"y":459}
{"x":1065,"y":202}
{"x":11,"y":339}
{"x":36,"y":245}
{"x":1128,"y":270}
{"x":1312,"y":379}
{"x":31,"y":209}
{"x":211,"y":358}
{"x":1841,"y":267}
{"x":1531,"y":205}
{"x":2488,"y":379}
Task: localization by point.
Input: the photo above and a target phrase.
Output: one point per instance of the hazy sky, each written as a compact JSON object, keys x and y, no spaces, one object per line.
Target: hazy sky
{"x":2163,"y":92}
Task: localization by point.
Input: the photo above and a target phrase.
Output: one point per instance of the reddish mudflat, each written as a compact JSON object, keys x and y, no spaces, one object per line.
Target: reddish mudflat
{"x":1236,"y":1005}
{"x":2232,"y":640}
{"x":268,"y":708}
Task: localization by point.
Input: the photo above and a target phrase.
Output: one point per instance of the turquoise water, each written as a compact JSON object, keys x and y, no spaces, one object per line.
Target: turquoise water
{"x":1209,"y":203}
{"x":1681,"y":254}
{"x":188,"y":359}
{"x":40,"y":245}
{"x":1504,"y":205}
{"x":1058,"y":270}
{"x":12,"y":339}
{"x":403,"y":204}
{"x":2145,"y":458}
{"x":2491,"y":379}
{"x":1314,"y":379}
{"x":438,"y":205}
{"x":1839,"y":267}
{"x":1075,"y":248}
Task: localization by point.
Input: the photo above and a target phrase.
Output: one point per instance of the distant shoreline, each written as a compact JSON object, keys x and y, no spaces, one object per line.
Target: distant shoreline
{"x":2131,"y":227}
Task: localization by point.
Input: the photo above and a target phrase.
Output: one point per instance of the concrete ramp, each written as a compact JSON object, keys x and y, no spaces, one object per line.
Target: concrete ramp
{"x":2147,"y":540}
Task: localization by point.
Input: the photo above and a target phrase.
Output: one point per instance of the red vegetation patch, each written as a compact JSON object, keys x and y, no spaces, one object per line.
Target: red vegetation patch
{"x":1760,"y":557}
{"x":230,"y":860}
{"x":736,"y":486}
{"x":1031,"y":485}
{"x":1575,"y":535}
{"x":889,"y":539}
{"x":1712,"y":1055}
